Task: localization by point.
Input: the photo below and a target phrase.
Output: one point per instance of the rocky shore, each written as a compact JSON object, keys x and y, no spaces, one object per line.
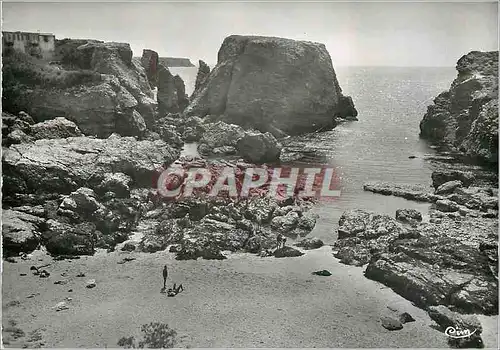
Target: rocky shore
{"x":449,"y":264}
{"x":85,"y":140}
{"x":465,"y":118}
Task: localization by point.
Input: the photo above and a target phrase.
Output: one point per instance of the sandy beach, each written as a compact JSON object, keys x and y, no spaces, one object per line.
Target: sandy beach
{"x":244,"y":301}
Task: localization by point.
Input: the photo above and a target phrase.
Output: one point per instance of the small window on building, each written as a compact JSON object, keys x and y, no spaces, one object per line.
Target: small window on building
{"x":46,"y":38}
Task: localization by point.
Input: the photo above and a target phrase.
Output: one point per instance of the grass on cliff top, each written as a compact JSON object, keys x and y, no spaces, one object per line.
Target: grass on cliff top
{"x":19,"y":68}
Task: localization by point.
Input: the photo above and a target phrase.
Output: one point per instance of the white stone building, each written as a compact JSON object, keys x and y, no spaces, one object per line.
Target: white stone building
{"x":41,"y":45}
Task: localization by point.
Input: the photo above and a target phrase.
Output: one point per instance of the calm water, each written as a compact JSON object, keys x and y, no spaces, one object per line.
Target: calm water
{"x":391,"y":102}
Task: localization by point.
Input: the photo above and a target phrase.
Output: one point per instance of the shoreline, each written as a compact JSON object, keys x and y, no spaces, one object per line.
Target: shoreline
{"x":246,"y":301}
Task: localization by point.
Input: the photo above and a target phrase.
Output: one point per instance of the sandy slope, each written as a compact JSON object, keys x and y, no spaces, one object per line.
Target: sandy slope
{"x":244,"y":301}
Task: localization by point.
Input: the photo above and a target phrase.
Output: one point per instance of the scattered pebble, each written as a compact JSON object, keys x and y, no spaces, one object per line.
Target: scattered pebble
{"x":61,"y":282}
{"x":61,"y":306}
{"x":70,"y":290}
{"x":322,"y":273}
{"x":22,"y":274}
{"x":91,"y":283}
{"x":81,"y":274}
{"x":44,"y":274}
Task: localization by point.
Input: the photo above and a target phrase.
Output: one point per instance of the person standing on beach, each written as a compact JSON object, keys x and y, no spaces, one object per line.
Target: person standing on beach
{"x":165,"y":275}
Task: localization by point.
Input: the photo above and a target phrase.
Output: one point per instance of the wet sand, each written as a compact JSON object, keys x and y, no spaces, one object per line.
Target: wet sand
{"x":244,"y":301}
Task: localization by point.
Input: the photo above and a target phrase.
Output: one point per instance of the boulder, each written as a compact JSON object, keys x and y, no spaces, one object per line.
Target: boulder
{"x":310,"y":243}
{"x":259,"y":148}
{"x":402,"y":316}
{"x":15,"y":137}
{"x":80,"y":203}
{"x":448,"y":187}
{"x":285,"y":224}
{"x":118,"y":183}
{"x":466,"y":116}
{"x":260,"y":81}
{"x":287,"y":252}
{"x":447,"y":206}
{"x":322,"y":273}
{"x":90,"y":283}
{"x":410,"y":216}
{"x":218,"y":135}
{"x":20,"y":232}
{"x":391,"y":323}
{"x":440,"y":177}
{"x":65,"y":239}
{"x":15,"y":129}
{"x":58,"y":128}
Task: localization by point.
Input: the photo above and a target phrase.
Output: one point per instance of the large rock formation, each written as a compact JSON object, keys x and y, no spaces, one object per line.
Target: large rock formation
{"x":265,"y":81}
{"x":97,"y":85}
{"x":150,"y":63}
{"x":201,"y":77}
{"x":466,"y":116}
{"x":171,"y":96}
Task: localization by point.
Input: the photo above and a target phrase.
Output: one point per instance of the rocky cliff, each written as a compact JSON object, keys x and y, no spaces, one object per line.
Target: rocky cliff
{"x":267,"y":82}
{"x":96,"y":85}
{"x":466,"y":116}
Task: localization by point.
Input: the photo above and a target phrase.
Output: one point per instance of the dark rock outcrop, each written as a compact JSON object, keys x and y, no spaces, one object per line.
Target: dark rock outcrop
{"x":266,"y":81}
{"x":149,"y":61}
{"x":466,"y":116}
{"x":438,"y":263}
{"x":171,"y":96}
{"x":201,"y":77}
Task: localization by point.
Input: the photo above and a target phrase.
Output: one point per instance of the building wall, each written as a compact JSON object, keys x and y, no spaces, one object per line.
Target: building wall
{"x":35,"y":44}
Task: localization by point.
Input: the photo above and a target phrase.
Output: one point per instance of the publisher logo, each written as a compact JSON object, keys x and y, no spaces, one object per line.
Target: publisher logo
{"x":457,"y":333}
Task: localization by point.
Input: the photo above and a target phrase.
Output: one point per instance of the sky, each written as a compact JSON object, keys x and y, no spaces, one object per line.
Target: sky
{"x":355,"y":33}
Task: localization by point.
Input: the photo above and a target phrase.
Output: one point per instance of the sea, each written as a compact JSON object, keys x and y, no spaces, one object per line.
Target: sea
{"x":391,"y":102}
